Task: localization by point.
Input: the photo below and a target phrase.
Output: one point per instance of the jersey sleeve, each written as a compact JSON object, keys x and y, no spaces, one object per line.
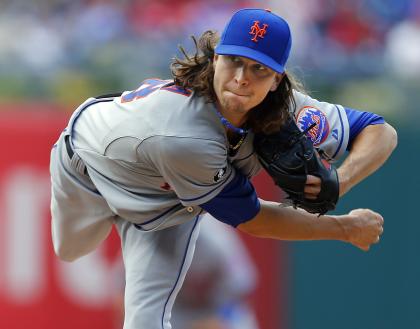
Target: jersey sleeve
{"x":237,"y":203}
{"x":332,"y":131}
{"x":195,"y":169}
{"x":359,"y":120}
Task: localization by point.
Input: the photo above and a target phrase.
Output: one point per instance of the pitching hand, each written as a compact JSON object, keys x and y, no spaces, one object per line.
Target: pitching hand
{"x":363,"y":227}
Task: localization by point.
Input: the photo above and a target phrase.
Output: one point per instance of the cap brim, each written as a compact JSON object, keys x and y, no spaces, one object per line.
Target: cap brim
{"x":251,"y":54}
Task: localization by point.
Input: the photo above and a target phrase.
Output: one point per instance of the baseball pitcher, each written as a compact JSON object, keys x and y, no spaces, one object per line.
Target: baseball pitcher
{"x":153,"y":160}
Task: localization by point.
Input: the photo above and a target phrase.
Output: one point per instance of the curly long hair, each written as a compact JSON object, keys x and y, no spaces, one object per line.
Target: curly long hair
{"x":196,"y":72}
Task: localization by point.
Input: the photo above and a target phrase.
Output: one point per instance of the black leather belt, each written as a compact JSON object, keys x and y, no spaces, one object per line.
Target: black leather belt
{"x":70,"y":151}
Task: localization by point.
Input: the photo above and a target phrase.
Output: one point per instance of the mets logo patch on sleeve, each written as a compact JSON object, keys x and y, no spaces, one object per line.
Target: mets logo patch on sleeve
{"x":309,"y":115}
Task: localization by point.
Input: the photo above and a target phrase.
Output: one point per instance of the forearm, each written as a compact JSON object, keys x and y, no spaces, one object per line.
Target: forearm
{"x":370,"y":149}
{"x":286,"y":223}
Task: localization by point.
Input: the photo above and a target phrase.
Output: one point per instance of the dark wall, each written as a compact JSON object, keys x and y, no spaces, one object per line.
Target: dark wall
{"x":337,"y":286}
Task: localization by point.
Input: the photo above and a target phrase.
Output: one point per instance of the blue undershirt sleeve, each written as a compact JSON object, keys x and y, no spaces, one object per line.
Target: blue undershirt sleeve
{"x":236,"y":203}
{"x":359,"y":120}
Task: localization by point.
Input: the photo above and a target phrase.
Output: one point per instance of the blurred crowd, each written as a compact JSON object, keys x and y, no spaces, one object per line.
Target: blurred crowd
{"x":65,"y":50}
{"x":354,"y":37}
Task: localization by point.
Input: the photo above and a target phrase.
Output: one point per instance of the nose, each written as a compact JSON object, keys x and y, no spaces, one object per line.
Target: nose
{"x":241,"y":77}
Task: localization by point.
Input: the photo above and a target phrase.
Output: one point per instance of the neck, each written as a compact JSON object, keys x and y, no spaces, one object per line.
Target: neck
{"x":228,"y":125}
{"x":234,"y":120}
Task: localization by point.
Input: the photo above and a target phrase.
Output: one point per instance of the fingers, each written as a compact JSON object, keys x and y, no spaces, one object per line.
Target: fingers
{"x":312,"y":187}
{"x":313,"y":180}
{"x":375,"y":235}
{"x":311,"y":193}
{"x":364,"y":248}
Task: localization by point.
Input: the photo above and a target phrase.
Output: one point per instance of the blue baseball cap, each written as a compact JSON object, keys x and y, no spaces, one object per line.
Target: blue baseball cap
{"x":257,"y":34}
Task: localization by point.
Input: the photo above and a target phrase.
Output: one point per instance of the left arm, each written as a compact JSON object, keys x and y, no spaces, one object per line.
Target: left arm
{"x":369,"y":151}
{"x":371,"y":140}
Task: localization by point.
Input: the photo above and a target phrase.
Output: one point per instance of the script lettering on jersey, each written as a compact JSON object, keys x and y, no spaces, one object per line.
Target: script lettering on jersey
{"x":257,"y":31}
{"x":149,"y":86}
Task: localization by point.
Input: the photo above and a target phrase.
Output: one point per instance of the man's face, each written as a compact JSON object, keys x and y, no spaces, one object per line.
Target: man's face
{"x":241,"y":84}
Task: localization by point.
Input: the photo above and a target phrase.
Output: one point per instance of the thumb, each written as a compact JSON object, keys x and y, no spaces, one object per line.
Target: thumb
{"x":364,"y":248}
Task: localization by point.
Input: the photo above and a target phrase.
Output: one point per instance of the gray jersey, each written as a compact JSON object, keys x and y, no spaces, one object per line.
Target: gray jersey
{"x":155,"y":158}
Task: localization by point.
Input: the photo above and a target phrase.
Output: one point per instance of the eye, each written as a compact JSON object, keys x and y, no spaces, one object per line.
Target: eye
{"x":234,"y":59}
{"x":259,"y":67}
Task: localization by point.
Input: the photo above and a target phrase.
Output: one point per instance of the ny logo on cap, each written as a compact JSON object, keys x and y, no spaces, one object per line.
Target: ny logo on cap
{"x":257,"y":31}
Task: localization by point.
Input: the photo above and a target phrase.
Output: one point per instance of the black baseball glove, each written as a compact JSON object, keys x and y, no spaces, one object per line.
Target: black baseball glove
{"x":289,"y":156}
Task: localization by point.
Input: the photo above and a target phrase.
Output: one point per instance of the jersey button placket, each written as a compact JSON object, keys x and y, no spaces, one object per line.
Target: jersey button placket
{"x":190,"y":209}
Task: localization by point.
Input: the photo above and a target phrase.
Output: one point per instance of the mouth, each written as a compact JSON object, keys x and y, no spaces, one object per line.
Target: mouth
{"x":237,"y":94}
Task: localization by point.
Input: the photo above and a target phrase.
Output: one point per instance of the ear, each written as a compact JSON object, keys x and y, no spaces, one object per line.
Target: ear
{"x":277,"y":81}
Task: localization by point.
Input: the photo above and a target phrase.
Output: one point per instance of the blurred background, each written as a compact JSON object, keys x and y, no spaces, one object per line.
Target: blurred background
{"x":364,"y":54}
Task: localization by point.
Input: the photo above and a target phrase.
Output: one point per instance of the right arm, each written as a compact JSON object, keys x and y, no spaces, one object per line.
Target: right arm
{"x":360,"y":227}
{"x":232,"y":199}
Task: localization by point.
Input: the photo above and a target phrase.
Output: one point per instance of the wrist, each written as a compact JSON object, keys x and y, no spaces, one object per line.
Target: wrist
{"x":331,"y":228}
{"x":342,"y":222}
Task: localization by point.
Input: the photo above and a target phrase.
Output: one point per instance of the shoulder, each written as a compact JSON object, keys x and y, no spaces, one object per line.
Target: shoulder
{"x":331,"y":132}
{"x":149,"y":86}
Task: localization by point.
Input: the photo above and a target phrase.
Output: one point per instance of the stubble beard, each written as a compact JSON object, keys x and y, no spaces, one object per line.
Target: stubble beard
{"x":229,"y":106}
